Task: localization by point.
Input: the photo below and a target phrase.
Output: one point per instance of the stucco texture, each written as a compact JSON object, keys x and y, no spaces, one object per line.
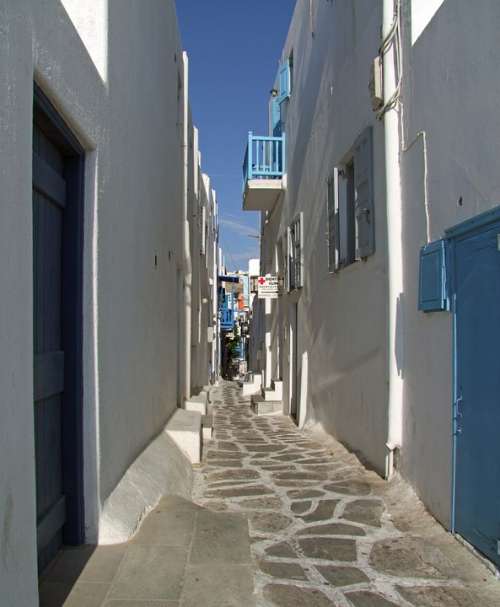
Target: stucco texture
{"x":342,"y":318}
{"x":116,"y":86}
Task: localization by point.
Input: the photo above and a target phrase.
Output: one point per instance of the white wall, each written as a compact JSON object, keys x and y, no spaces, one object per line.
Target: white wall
{"x":450,"y":145}
{"x":422,"y":11}
{"x":451,"y":94}
{"x":253,"y":267}
{"x":142,"y":196}
{"x":342,"y":318}
{"x":17,"y":475}
{"x":125,"y":112}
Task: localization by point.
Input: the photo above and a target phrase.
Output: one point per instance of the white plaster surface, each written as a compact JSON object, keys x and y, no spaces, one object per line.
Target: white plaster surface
{"x":197,"y":403}
{"x":250,"y":388}
{"x":184,"y":428}
{"x":342,"y":318}
{"x":422,"y":11}
{"x":450,"y":96}
{"x":112,"y":70}
{"x":449,"y":140}
{"x":161,"y":469}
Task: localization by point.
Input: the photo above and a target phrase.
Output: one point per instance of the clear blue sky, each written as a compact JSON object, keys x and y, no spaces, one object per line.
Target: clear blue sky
{"x":234,"y":47}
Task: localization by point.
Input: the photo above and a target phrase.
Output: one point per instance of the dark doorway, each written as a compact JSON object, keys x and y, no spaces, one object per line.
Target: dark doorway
{"x":58,"y":173}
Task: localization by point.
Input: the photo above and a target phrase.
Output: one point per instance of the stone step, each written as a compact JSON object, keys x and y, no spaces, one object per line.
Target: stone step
{"x":197,"y":403}
{"x":207,"y":424}
{"x":262,"y":406}
{"x":269,"y":394}
{"x":184,"y":428}
{"x":275,"y":392}
{"x":253,"y":386}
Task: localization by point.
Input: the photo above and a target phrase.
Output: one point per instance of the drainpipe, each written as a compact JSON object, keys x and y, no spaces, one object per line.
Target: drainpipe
{"x":186,"y":253}
{"x":394,"y":244}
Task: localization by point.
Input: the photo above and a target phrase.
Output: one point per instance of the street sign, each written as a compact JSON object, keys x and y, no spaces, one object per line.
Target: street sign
{"x":267,"y":287}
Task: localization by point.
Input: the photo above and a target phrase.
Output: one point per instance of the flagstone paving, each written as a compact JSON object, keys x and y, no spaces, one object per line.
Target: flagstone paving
{"x":323,"y":530}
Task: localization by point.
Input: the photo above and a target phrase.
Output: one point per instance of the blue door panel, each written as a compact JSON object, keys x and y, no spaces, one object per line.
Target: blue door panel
{"x":477,"y":408}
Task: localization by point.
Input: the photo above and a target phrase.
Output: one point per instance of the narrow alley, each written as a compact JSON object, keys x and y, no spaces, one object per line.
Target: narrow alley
{"x":250,"y":303}
{"x":324,"y":530}
{"x":279,"y":518}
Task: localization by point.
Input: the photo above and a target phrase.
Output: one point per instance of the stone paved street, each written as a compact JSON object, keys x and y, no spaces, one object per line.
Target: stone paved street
{"x":323,"y":530}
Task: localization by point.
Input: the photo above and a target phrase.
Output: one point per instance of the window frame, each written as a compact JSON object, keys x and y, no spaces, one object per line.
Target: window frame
{"x":343,"y":209}
{"x":295,"y":253}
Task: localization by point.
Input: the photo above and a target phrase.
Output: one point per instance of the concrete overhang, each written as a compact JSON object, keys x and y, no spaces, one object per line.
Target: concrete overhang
{"x":262,"y":194}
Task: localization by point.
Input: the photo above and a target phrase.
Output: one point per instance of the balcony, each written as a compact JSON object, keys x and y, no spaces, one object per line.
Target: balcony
{"x":263,"y":172}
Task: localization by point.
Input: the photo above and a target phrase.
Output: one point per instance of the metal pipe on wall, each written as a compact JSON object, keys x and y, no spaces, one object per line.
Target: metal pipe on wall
{"x":394,"y":238}
{"x":186,"y":254}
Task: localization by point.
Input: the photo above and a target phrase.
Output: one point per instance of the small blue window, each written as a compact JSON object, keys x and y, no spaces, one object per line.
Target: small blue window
{"x":285,"y":81}
{"x":432,"y":296}
{"x":275,"y":117}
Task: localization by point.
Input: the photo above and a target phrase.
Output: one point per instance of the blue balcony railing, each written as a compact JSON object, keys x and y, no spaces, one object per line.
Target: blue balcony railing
{"x":264,"y":158}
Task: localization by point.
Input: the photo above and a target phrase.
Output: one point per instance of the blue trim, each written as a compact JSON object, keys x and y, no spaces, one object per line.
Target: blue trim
{"x":476,"y":222}
{"x":284,"y":81}
{"x":264,"y":158}
{"x":454,"y":234}
{"x":451,"y":272}
{"x":454,"y":421}
{"x":432,"y":292}
{"x":250,"y":158}
{"x":283,"y":152}
{"x":46,"y":115}
{"x":276,"y":126}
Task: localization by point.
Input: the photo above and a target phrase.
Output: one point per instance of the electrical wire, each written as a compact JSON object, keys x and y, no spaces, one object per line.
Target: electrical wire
{"x":393,"y":37}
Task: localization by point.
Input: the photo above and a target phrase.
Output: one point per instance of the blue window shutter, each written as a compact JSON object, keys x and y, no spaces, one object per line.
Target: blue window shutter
{"x":284,"y":81}
{"x":275,"y":117}
{"x":364,"y":198}
{"x":432,"y":294}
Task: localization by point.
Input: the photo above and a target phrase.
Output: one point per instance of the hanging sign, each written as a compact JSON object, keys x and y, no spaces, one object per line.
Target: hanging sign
{"x":267,"y":287}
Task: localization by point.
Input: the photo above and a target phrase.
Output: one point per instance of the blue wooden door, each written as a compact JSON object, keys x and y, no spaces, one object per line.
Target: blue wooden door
{"x":58,"y":171}
{"x":49,"y":201}
{"x":477,"y":407}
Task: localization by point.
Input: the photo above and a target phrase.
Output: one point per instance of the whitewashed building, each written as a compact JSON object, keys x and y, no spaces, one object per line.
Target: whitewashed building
{"x":108,"y":264}
{"x":379,"y":190}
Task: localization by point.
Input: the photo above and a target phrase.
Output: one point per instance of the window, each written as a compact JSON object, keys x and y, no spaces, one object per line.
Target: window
{"x":204,"y":231}
{"x":295,"y":254}
{"x":279,"y":95}
{"x":275,"y":117}
{"x":350,"y":209}
{"x":285,"y":80}
{"x":284,"y":250}
{"x":254,"y":285}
